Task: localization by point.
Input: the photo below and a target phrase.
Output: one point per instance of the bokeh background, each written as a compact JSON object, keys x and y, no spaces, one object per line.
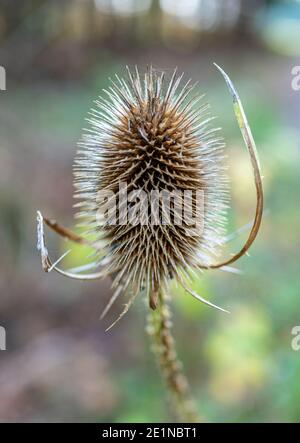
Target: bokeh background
{"x":60,"y":365}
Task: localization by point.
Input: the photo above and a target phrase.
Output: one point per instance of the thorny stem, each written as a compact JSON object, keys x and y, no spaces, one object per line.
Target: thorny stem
{"x":163,"y":347}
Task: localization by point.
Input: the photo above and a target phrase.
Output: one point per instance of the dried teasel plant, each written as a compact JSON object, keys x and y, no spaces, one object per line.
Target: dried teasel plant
{"x":154,"y":134}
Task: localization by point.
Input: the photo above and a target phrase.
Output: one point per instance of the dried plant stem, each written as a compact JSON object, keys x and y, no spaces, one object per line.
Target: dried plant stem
{"x":163,"y":347}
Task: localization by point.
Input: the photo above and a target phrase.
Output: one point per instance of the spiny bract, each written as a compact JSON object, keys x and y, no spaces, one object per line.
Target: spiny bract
{"x":152,"y":134}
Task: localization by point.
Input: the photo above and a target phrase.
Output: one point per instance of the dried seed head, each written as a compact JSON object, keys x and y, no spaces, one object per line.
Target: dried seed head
{"x":152,"y":135}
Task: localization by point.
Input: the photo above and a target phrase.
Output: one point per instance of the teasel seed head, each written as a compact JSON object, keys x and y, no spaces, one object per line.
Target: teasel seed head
{"x":152,"y":135}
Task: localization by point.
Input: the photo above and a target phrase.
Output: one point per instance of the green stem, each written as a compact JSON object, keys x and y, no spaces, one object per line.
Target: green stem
{"x":163,"y":347}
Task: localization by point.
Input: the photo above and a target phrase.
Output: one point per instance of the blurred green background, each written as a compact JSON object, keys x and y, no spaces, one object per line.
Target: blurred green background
{"x":60,"y":365}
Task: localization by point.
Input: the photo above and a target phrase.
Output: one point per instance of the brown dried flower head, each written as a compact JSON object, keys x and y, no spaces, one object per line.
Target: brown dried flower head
{"x":154,"y":137}
{"x":152,"y":191}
